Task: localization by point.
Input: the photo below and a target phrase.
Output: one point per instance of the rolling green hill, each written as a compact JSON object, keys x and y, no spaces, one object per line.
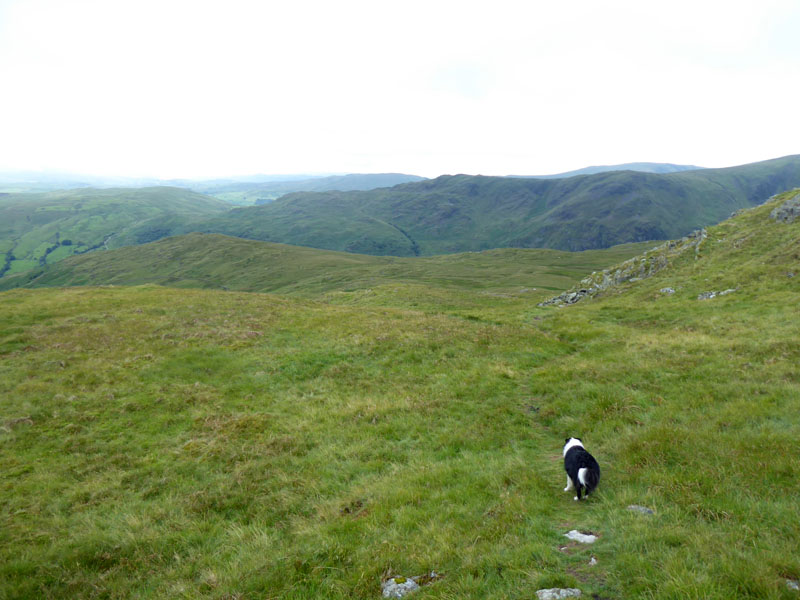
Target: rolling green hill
{"x":217,"y":261}
{"x":472,"y":213}
{"x":39,"y":229}
{"x":159,"y":442}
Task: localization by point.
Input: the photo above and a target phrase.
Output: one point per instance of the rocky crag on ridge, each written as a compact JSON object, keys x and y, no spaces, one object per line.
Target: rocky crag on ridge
{"x":636,"y":268}
{"x":660,"y":257}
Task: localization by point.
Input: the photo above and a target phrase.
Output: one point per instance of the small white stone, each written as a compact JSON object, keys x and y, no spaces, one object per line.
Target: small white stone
{"x":640,"y":509}
{"x":581,"y":537}
{"x":793,"y":585}
{"x":558,"y":593}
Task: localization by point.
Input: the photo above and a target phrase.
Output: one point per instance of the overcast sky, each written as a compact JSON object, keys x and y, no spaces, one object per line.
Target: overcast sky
{"x":194,"y":88}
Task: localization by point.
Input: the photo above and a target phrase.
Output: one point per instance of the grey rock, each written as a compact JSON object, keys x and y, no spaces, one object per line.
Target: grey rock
{"x":398,"y":587}
{"x":641,"y":509}
{"x":793,"y":585}
{"x":583,"y":538}
{"x":558,"y":593}
{"x":667,"y":290}
{"x":710,"y":295}
{"x":788,"y":211}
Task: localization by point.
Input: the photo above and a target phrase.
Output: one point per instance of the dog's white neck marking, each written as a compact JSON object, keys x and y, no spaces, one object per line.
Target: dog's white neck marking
{"x":572,"y":443}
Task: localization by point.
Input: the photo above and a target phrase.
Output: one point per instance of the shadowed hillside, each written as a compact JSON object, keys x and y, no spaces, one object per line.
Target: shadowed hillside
{"x":469,"y":213}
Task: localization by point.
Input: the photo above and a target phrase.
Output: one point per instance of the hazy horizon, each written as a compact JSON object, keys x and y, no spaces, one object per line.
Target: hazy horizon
{"x":188,"y":90}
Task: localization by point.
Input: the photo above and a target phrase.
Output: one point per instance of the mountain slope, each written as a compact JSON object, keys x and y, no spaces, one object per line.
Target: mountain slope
{"x":470,"y":213}
{"x":36,"y":229}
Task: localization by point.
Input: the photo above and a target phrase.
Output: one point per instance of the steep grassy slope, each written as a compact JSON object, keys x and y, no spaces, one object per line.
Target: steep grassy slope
{"x":468,"y":213}
{"x":216,"y":261}
{"x":206,"y":444}
{"x":37,"y":229}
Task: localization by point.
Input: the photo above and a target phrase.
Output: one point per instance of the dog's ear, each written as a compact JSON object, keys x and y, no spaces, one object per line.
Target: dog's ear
{"x":566,"y":440}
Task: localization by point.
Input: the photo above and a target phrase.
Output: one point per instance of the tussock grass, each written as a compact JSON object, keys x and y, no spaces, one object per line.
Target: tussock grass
{"x":205,"y":444}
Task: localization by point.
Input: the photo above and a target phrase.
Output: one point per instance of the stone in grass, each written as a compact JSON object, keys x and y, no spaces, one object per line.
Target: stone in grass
{"x":793,"y":585}
{"x":641,"y":509}
{"x":397,"y":587}
{"x":558,"y":593}
{"x":583,"y":538}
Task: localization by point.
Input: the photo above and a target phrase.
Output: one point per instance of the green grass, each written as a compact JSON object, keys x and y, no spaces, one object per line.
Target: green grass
{"x":191,"y":443}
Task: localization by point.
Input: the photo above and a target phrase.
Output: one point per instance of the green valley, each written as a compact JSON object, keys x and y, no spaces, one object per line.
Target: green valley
{"x":38,"y":229}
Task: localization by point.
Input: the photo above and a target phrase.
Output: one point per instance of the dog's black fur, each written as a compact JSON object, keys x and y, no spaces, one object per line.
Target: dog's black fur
{"x":583,"y":472}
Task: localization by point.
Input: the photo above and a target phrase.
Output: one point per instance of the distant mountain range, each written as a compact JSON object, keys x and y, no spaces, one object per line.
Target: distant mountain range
{"x":262,"y":193}
{"x":446,"y":215}
{"x":246,"y":189}
{"x":644,"y":167}
{"x":471,"y":213}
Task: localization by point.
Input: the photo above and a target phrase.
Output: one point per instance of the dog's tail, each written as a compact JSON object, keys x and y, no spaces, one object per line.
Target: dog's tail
{"x":589,"y":478}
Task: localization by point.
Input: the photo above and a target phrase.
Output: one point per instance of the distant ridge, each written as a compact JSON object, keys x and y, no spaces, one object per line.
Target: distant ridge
{"x":642,"y":167}
{"x":459,"y":213}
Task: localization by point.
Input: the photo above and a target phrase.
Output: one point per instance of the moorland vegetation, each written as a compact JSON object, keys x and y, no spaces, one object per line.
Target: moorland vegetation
{"x":203,"y":443}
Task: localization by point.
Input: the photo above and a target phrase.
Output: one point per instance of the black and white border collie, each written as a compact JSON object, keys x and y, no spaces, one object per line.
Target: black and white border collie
{"x":582,"y":469}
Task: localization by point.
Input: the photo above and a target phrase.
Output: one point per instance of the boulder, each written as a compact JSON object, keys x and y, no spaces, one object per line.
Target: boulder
{"x":398,"y":587}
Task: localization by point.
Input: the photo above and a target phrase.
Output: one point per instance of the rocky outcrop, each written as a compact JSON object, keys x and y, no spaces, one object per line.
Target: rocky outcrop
{"x":634,"y":269}
{"x":712,"y":294}
{"x":788,"y":211}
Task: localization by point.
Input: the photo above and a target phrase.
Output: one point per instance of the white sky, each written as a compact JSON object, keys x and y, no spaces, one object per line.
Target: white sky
{"x":194,"y":88}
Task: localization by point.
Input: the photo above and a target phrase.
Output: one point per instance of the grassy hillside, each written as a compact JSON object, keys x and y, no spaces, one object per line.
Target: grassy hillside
{"x":207,"y":444}
{"x":216,"y":261}
{"x":472,"y":213}
{"x":39,"y":229}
